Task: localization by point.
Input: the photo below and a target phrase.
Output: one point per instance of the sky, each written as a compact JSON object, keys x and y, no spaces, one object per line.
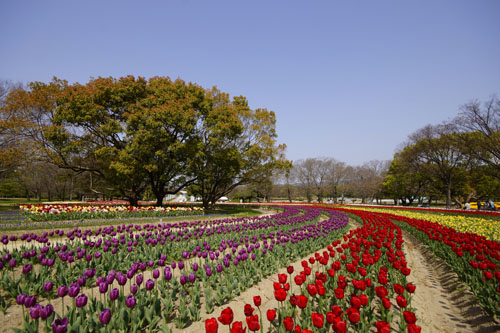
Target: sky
{"x":346,"y":79}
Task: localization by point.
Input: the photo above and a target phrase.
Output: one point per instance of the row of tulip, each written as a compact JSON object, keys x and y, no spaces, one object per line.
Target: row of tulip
{"x":474,"y":258}
{"x":58,"y":212}
{"x":247,"y":248}
{"x":357,"y":285}
{"x":480,"y":224}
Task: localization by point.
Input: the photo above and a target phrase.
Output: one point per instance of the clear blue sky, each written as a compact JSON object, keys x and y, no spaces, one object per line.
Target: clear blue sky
{"x":347,"y":79}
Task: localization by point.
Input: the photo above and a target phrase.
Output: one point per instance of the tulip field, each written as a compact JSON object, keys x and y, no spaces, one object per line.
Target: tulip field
{"x":333,"y":269}
{"x":57,"y":212}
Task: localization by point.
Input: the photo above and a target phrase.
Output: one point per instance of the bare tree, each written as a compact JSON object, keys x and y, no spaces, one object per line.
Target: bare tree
{"x":480,"y":132}
{"x":312,"y":174}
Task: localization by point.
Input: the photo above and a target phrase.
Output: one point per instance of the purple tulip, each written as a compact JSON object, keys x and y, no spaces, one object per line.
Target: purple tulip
{"x":105,"y":316}
{"x":46,"y":311}
{"x":121,"y":278}
{"x":208,"y":271}
{"x":134,"y":288}
{"x":103,"y":287}
{"x":35,"y":311}
{"x":183,"y":279}
{"x":151,"y":263}
{"x":110,"y":278}
{"x":195,"y":267}
{"x":60,"y":325}
{"x":150,"y":284}
{"x":62,"y":291}
{"x":12,"y":263}
{"x":167,"y":274}
{"x":173,"y":265}
{"x":219,"y":268}
{"x":29,"y":301}
{"x":81,"y":300}
{"x":113,"y":294}
{"x":100,"y":280}
{"x":142,"y":266}
{"x":138,"y":279}
{"x":20,"y":299}
{"x":181,"y":264}
{"x":73,"y":290}
{"x":156,"y":274}
{"x":81,"y":281}
{"x":50,"y":262}
{"x":130,"y":301}
{"x":47,"y":286}
{"x":97,"y":255}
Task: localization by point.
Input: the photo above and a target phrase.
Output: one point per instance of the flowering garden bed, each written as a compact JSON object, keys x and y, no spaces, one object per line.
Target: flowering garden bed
{"x":172,"y":276}
{"x":59,"y":212}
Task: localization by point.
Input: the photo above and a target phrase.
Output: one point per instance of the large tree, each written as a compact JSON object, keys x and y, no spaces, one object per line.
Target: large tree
{"x":437,"y":148}
{"x":236,"y":146}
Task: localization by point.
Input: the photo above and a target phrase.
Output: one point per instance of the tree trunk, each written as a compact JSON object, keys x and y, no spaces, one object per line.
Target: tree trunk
{"x":289,"y":194}
{"x":159,"y":200}
{"x":448,"y":195}
{"x":134,"y":201}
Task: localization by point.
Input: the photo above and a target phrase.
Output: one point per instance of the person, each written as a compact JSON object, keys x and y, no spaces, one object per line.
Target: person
{"x":478,"y":205}
{"x":492,"y":205}
{"x":467,"y":206}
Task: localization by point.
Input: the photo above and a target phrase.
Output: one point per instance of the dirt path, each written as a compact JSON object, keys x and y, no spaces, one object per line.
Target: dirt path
{"x":443,"y":302}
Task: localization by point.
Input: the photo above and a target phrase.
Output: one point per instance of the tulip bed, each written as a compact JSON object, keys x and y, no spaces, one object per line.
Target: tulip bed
{"x":59,"y":212}
{"x":101,"y":278}
{"x":487,"y":224}
{"x":473,"y":256}
{"x":358,"y":285}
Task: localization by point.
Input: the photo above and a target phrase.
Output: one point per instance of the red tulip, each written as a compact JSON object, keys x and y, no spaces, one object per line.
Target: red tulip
{"x":253,"y":323}
{"x":410,"y":317}
{"x":383,"y":327}
{"x":280,"y":295}
{"x":399,"y":289}
{"x":410,"y":287}
{"x":226,"y":316}
{"x":238,"y":327}
{"x":401,"y":301}
{"x":381,"y":291}
{"x":353,"y":315}
{"x":311,"y":288}
{"x":211,"y":325}
{"x":298,"y":280}
{"x":257,"y":301}
{"x":282,"y":278}
{"x":248,"y":309}
{"x":386,"y":303}
{"x":288,"y":322}
{"x":412,"y":328}
{"x":302,"y":301}
{"x":271,"y":314}
{"x":318,"y":319}
{"x":339,"y":293}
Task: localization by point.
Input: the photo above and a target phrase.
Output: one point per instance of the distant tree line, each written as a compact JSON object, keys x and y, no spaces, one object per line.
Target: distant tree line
{"x":458,"y":160}
{"x":321,"y":180}
{"x":132,"y":138}
{"x":454,"y":162}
